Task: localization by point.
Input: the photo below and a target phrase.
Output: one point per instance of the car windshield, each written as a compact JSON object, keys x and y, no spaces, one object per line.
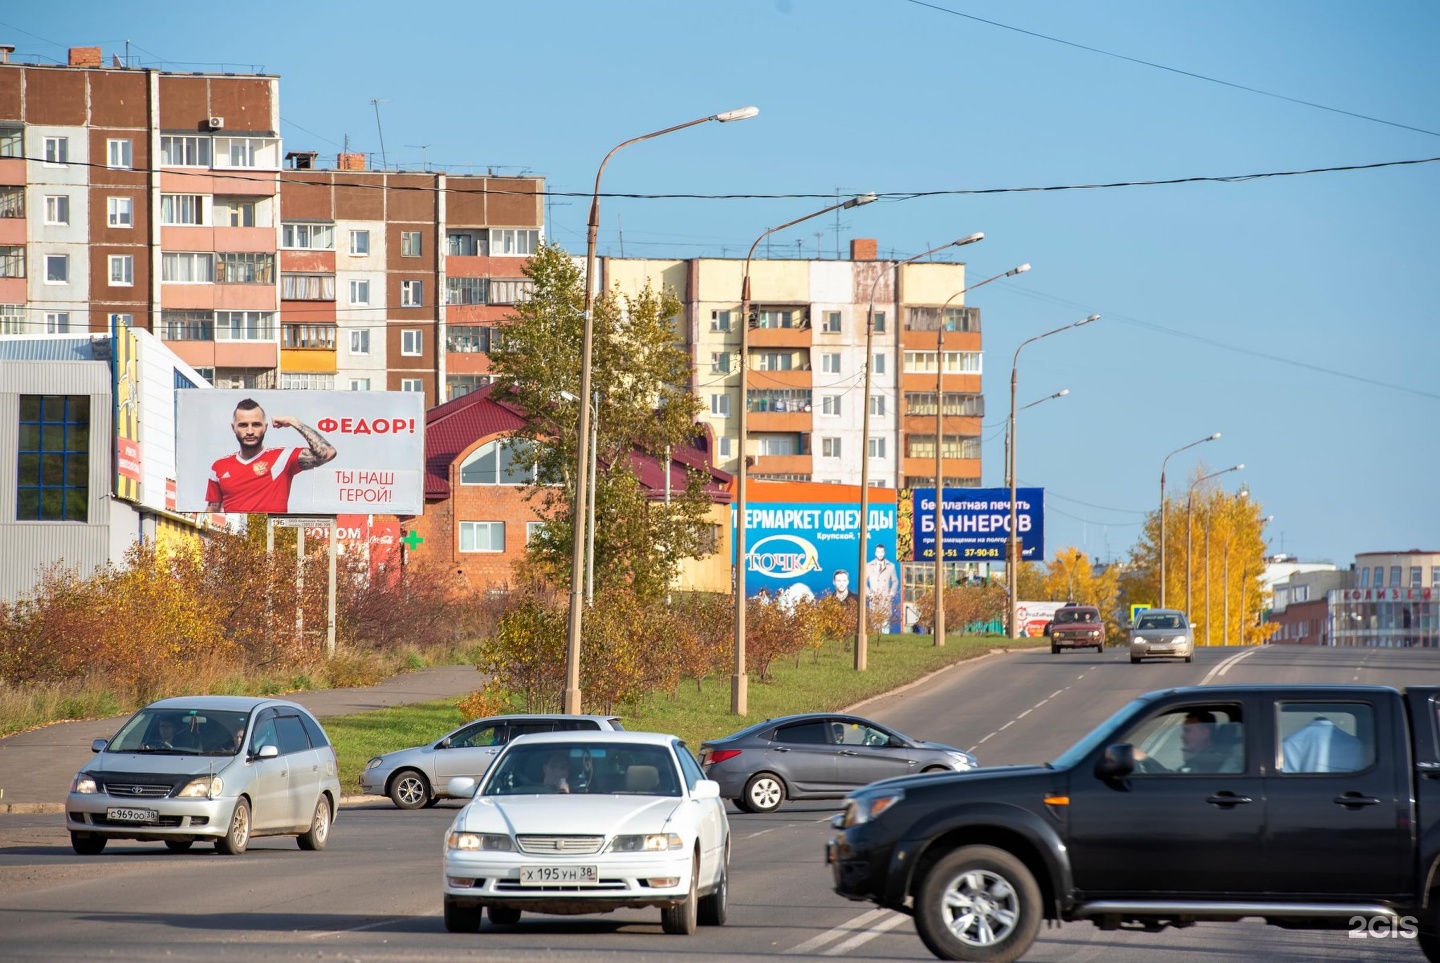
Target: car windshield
{"x":182,"y":731}
{"x":1159,"y":622}
{"x":1066,"y":616}
{"x":592,"y":768}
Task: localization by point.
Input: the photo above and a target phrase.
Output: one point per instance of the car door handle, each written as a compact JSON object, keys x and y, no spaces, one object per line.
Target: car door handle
{"x":1227,"y":799}
{"x":848,"y":752}
{"x":1353,"y":800}
{"x":781,"y":749}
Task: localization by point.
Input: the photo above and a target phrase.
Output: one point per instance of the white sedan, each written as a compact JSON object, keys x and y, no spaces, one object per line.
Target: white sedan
{"x":589,"y":822}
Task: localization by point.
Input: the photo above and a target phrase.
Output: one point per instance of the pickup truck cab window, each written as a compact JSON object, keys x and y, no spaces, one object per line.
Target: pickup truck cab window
{"x":1325,"y":737}
{"x":1190,"y":740}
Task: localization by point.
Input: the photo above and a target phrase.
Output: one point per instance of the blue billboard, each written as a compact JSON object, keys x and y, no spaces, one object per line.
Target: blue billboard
{"x":798,"y":551}
{"x":977,"y":524}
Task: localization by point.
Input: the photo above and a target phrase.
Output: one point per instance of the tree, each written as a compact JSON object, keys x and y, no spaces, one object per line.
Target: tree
{"x":1070,"y":577}
{"x":640,"y":376}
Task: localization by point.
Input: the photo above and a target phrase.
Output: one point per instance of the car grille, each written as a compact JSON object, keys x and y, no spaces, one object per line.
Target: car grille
{"x":561,"y":845}
{"x":513,"y":886}
{"x":138,"y":790}
{"x":170,"y":822}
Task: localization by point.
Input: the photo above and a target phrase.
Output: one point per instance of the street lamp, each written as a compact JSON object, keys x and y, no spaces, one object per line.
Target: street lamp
{"x":1012,"y":550}
{"x":939,"y":436}
{"x":1225,"y":630}
{"x":861,"y":638}
{"x":739,"y":683}
{"x":1162,"y":506}
{"x":1190,"y":530}
{"x":1244,"y":566}
{"x":582,"y":454}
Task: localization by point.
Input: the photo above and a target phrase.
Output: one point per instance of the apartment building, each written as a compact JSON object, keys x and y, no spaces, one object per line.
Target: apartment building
{"x":805,"y":375}
{"x":163,"y":201}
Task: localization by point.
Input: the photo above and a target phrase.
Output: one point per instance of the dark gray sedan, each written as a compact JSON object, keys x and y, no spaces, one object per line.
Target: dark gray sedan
{"x":817,"y":755}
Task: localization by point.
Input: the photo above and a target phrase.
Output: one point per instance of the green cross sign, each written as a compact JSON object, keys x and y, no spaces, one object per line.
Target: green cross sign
{"x":412,"y":540}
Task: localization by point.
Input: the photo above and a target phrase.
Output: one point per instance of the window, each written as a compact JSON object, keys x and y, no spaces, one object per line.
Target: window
{"x":360,"y":243}
{"x":778,"y":445}
{"x":719,"y":362}
{"x":57,"y":208}
{"x":461,"y":244}
{"x":304,"y":381}
{"x":1326,"y":737}
{"x":178,"y":151}
{"x":12,"y":201}
{"x":510,"y":290}
{"x":247,"y":152}
{"x":507,"y":241}
{"x":830,"y":363}
{"x":359,"y":384}
{"x":830,"y":405}
{"x":244,"y":326}
{"x":779,"y":399}
{"x":412,"y":384}
{"x":482,"y":536}
{"x":57,"y":151}
{"x":1415,"y":577}
{"x":1394,"y":576}
{"x":12,"y":262}
{"x":877,"y":447}
{"x":409,"y":243}
{"x":533,"y":530}
{"x":877,"y":405}
{"x":464,"y":290}
{"x":1365,"y":577}
{"x":962,"y":319}
{"x":53,"y":464}
{"x":57,"y":271}
{"x":774,"y":361}
{"x":774,"y":319}
{"x":720,"y":320}
{"x":123,"y":321}
{"x":120,"y":211}
{"x":234,"y":212}
{"x":12,"y":321}
{"x":879,"y":364}
{"x":307,"y":287}
{"x":878,"y":322}
{"x":187,"y":325}
{"x":122,"y":270}
{"x":182,"y":209}
{"x":117,"y":153}
{"x":57,"y":322}
{"x":308,"y":237}
{"x":830,"y":447}
{"x":412,"y":294}
{"x":12,"y":142}
{"x":720,"y":405}
{"x":187,"y":267}
{"x":458,"y":386}
{"x":498,"y":463}
{"x":360,"y":342}
{"x":412,"y":341}
{"x":1379,"y":576}
{"x":832,"y":322}
{"x":470,"y":338}
{"x":1201,"y":739}
{"x":724,"y":448}
{"x":359,"y":292}
{"x":308,"y":336}
{"x":245,"y":267}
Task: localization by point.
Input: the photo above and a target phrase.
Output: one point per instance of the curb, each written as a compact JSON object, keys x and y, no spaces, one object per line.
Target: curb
{"x":45,"y":808}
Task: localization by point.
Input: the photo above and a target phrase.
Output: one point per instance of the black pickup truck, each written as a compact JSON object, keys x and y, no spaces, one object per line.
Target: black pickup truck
{"x":1310,"y":807}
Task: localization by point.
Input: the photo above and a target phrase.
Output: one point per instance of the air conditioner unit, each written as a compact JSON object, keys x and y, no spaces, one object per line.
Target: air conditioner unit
{"x":215,"y":123}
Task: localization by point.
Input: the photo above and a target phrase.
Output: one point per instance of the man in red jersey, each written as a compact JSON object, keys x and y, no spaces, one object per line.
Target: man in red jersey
{"x":256,"y":478}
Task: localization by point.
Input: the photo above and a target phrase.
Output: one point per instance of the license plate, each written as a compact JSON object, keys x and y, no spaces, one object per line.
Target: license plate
{"x":558,"y":876}
{"x":119,"y":814}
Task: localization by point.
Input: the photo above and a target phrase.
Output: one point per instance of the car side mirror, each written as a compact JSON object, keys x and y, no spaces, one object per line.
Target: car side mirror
{"x":99,"y":745}
{"x":463,"y":787}
{"x":267,"y":751}
{"x":1117,"y":762}
{"x":706,"y":789}
{"x":443,"y":743}
{"x":895,"y":743}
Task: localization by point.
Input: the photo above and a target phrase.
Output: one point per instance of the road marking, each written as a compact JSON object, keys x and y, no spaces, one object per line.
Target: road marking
{"x":367,"y":926}
{"x":1023,"y":714}
{"x":1006,"y":726}
{"x":1057,"y":692}
{"x":860,"y":939}
{"x":1224,"y":667}
{"x":849,"y":929}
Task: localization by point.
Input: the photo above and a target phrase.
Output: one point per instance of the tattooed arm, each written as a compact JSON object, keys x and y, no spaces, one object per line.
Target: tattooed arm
{"x":320,"y":450}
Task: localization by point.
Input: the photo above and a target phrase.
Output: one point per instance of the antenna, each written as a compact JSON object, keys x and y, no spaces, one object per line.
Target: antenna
{"x":424,"y":153}
{"x":620,"y":226}
{"x":819,"y":236}
{"x":376,"y":102}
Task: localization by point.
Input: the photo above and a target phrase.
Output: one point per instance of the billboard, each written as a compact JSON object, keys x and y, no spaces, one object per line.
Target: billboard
{"x":300,"y":452}
{"x":977,"y":524}
{"x":1032,"y":617}
{"x":797,"y":551}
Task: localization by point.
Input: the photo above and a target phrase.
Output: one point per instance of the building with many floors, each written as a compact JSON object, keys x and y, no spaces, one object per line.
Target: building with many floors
{"x":1389,"y":599}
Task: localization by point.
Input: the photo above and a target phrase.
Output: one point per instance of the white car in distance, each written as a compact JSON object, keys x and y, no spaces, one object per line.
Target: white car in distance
{"x":588,"y":822}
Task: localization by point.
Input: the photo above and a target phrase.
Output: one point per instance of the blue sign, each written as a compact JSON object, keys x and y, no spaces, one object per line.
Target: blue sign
{"x":798,"y":551}
{"x":977,"y":524}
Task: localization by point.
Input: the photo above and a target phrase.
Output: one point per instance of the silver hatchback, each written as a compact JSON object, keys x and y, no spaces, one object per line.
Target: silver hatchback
{"x":219,"y":768}
{"x":1163,"y":633}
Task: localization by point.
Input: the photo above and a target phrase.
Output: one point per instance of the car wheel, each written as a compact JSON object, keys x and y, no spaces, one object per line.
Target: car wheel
{"x":682,"y":918}
{"x":1189,"y":658}
{"x":179,"y":845}
{"x":978,"y":903}
{"x":237,"y":837}
{"x":432,"y":802}
{"x":409,"y":789}
{"x":1134,"y":660}
{"x":936,"y":769}
{"x":1100,"y":648}
{"x":503,"y":915}
{"x":461,"y":919}
{"x":87,"y":844}
{"x":319,"y":833}
{"x":1054,"y":649}
{"x":715,"y":908}
{"x":742,"y":805}
{"x":764,"y":793}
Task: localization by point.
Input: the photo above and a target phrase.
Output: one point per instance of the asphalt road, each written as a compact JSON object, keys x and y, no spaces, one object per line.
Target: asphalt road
{"x":374,"y":894}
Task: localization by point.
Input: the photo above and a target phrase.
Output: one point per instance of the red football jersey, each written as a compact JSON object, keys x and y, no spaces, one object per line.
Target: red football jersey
{"x":260,"y":485}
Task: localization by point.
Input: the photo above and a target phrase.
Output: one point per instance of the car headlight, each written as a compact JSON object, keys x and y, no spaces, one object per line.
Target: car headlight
{"x":374,"y":763}
{"x":868,"y":807}
{"x":652,"y":843}
{"x":474,"y":842}
{"x":963,"y":758}
{"x":83,"y":783}
{"x":202,"y":788}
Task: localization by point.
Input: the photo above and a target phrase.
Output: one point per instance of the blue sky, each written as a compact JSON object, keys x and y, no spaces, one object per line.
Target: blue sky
{"x":1294,"y":314}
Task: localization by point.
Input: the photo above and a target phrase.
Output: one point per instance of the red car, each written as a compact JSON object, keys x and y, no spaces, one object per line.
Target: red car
{"x":1077,"y":627}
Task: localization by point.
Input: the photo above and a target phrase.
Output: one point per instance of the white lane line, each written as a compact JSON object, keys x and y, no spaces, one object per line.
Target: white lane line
{"x":1006,"y":726}
{"x":1057,"y":692}
{"x":860,"y":939}
{"x":367,"y":926}
{"x":840,"y":932}
{"x":1224,"y":666}
{"x":1023,"y":714}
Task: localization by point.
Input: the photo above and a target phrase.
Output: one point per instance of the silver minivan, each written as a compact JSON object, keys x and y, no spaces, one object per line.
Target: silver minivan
{"x":219,"y":768}
{"x":1162,"y":633}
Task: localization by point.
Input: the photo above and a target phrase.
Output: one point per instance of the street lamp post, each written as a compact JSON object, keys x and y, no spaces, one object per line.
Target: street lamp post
{"x":1189,"y":537}
{"x":1012,"y":550}
{"x":861,"y":636}
{"x":739,"y":683}
{"x":582,"y":455}
{"x":1162,"y":506}
{"x":1225,"y":581}
{"x":1244,"y":577}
